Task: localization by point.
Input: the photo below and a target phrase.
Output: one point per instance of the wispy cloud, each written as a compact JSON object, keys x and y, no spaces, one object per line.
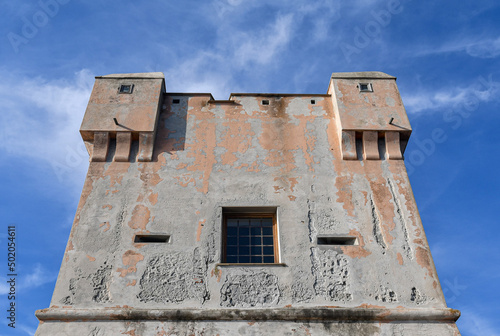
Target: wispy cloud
{"x":38,"y":277}
{"x":41,"y":120}
{"x":475,"y":324}
{"x":27,"y":329}
{"x":484,"y":49}
{"x":482,"y":90}
{"x":475,"y":47}
{"x":239,"y":46}
{"x":213,"y":71}
{"x":231,"y":8}
{"x":262,"y":46}
{"x":200,"y":73}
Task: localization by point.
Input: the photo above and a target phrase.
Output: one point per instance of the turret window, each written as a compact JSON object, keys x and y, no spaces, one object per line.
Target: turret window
{"x":365,"y":87}
{"x":126,"y":88}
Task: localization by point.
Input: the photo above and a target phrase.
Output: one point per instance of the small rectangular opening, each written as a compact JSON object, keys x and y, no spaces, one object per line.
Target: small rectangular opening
{"x":265,"y":102}
{"x":336,"y":240}
{"x":126,"y":88}
{"x":365,"y":87}
{"x":313,"y":101}
{"x":152,"y":238}
{"x":176,"y":101}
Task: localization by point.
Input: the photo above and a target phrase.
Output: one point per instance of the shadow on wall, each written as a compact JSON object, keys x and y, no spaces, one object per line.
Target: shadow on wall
{"x":171,"y":133}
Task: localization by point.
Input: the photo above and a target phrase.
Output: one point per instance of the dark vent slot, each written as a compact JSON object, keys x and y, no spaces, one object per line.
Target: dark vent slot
{"x":359,"y":145}
{"x":152,"y":238}
{"x":336,"y":240}
{"x":176,"y":101}
{"x":265,"y":102}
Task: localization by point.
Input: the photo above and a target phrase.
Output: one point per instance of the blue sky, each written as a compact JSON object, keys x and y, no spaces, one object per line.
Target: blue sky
{"x":446,"y":55}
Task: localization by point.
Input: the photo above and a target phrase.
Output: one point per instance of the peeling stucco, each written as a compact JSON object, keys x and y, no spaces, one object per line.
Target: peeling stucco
{"x":322,"y":162}
{"x":250,"y":290}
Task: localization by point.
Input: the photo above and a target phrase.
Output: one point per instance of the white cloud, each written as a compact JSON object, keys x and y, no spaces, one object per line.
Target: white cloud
{"x":224,"y":8}
{"x":471,"y":323}
{"x":27,"y":329}
{"x":484,"y":49}
{"x":232,"y":9}
{"x":482,"y":90}
{"x":321,"y":27}
{"x":261,"y":47}
{"x":239,"y":48}
{"x":235,"y":49}
{"x":41,"y":120}
{"x":302,"y":76}
{"x":37,"y":278}
{"x":473,"y":46}
{"x":200,"y":73}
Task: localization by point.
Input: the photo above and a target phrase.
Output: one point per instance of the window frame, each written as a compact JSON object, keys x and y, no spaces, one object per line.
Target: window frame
{"x":369,"y":87}
{"x":125,"y":92}
{"x":250,"y":215}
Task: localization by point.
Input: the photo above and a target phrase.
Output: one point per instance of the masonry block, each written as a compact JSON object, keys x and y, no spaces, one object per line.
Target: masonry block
{"x":349,"y":145}
{"x":393,"y":146}
{"x":123,"y":142}
{"x":146,"y":144}
{"x":101,"y":146}
{"x":370,"y":146}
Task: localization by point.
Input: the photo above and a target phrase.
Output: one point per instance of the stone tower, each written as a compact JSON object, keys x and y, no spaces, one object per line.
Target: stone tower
{"x":263,"y":214}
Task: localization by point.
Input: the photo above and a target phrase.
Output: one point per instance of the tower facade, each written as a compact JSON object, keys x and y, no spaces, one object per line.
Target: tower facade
{"x":263,"y":214}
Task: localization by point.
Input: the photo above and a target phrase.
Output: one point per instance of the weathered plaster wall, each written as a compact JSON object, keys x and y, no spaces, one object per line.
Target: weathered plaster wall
{"x":247,"y":329}
{"x":208,"y":155}
{"x":137,"y":110}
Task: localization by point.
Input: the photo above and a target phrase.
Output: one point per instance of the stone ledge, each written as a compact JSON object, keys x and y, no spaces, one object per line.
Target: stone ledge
{"x":267,"y":314}
{"x":362,"y":75}
{"x":140,"y":75}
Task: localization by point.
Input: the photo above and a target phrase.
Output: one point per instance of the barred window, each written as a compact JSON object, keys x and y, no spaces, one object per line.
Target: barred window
{"x":250,"y":238}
